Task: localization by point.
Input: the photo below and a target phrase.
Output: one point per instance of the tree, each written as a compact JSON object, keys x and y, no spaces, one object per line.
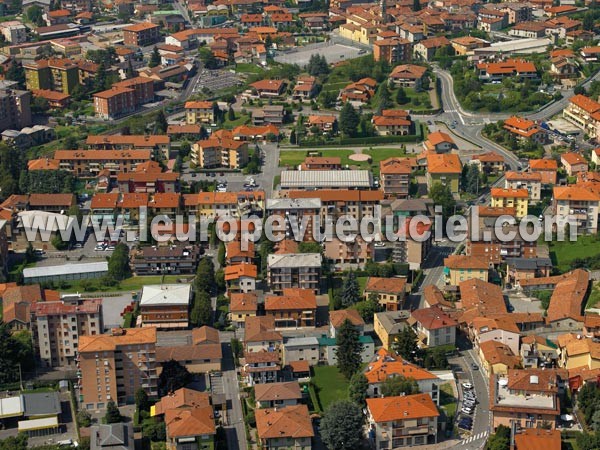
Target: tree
{"x":417,"y":5}
{"x":84,"y":418}
{"x":579,"y":90}
{"x":399,"y":385}
{"x":34,"y":14}
{"x":141,"y":400}
{"x":154,"y":430}
{"x":349,"y":349}
{"x":202,"y":310}
{"x":442,"y":196}
{"x":401,"y":96}
{"x":350,"y":290}
{"x":231,"y":114}
{"x":470,"y":178}
{"x":154,"y":57}
{"x":118,"y":264}
{"x":349,"y":120}
{"x":16,"y":72}
{"x":113,"y":415}
{"x":11,"y":350}
{"x":341,"y":426}
{"x":500,"y":440}
{"x":588,"y":21}
{"x":357,"y":389}
{"x":130,"y":73}
{"x":309,"y":247}
{"x":293,"y":137}
{"x":160,"y":123}
{"x":384,"y":101}
{"x":369,"y":307}
{"x":406,"y":344}
{"x":101,"y":79}
{"x":205,"y":275}
{"x":173,"y":376}
{"x":221,"y":254}
{"x":75,"y":211}
{"x":268,"y":42}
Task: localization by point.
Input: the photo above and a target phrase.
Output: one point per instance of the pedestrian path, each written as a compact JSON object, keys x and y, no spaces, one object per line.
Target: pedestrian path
{"x":475,"y":437}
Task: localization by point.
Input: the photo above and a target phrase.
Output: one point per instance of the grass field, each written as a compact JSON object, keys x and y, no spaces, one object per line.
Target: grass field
{"x":594,"y":297}
{"x":129,"y":284}
{"x":330,"y":385}
{"x":296,"y":157}
{"x":248,"y":68}
{"x":240,"y":119}
{"x":447,"y":400}
{"x":563,"y":253}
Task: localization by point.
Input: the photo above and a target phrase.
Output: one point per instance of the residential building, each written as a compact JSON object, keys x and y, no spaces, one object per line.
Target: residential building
{"x":537,"y":351}
{"x":584,"y":113}
{"x":141,"y":34}
{"x":241,"y":278}
{"x":236,"y":254}
{"x":301,"y":349}
{"x":114,"y":436}
{"x":14,"y":32}
{"x":531,"y":30}
{"x":220,"y":150}
{"x":445,"y":169}
{"x":578,"y":203}
{"x":58,"y":326}
{"x":434,"y":327}
{"x":359,"y":92}
{"x":532,"y":181}
{"x":88,"y":163}
{"x":328,"y":349}
{"x":55,"y":74}
{"x":403,"y":421}
{"x":341,"y":202}
{"x":260,"y":335}
{"x":15,"y":109}
{"x":459,"y":268}
{"x":413,"y":244}
{"x":563,"y":68}
{"x":427,"y":48}
{"x":525,"y":129}
{"x":499,"y":329}
{"x":292,"y":212}
{"x":439,"y":142}
{"x":277,"y":395}
{"x":165,"y":306}
{"x":567,"y":301}
{"x":175,"y":260}
{"x":269,"y":114}
{"x":393,"y":50}
{"x":337,"y":318}
{"x":199,"y":112}
{"x":294,"y":308}
{"x":300,"y":270}
{"x":548,"y":168}
{"x":489,"y":163}
{"x":321,"y":162}
{"x":519,"y":269}
{"x":573,"y":163}
{"x":241,"y":306}
{"x":407,"y":75}
{"x":388,"y":325}
{"x":306,"y":88}
{"x":395,"y":177}
{"x":536,"y":438}
{"x":497,"y":71}
{"x":387,"y":364}
{"x":195,"y":357}
{"x":511,"y":198}
{"x":324,"y":124}
{"x":392,"y":122}
{"x":466,"y":44}
{"x":160,"y":145}
{"x":268,"y":88}
{"x":123,"y":98}
{"x":114,"y":366}
{"x":261,"y":367}
{"x":390,"y":292}
{"x":192,"y":428}
{"x":282,"y":428}
{"x":497,"y":358}
{"x":539,"y":387}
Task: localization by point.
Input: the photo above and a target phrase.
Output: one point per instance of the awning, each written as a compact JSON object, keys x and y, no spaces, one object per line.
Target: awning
{"x":38,"y":424}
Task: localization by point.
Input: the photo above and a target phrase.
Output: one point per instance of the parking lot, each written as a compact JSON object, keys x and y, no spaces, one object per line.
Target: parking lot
{"x":333,"y":53}
{"x":216,"y":80}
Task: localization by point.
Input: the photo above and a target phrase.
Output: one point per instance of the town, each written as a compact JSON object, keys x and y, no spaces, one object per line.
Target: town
{"x":231,"y":224}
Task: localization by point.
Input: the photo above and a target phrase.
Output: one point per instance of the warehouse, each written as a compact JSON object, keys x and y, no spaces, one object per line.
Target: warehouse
{"x":326,"y":179}
{"x":65,"y":272}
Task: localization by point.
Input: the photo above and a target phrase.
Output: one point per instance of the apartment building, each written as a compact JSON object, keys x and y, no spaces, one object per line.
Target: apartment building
{"x":511,"y":198}
{"x":301,"y":349}
{"x":15,"y":109}
{"x":532,"y":181}
{"x":390,"y":292}
{"x":412,"y":247}
{"x":123,"y":98}
{"x":426,"y":49}
{"x":392,"y":122}
{"x":548,"y":168}
{"x":114,"y":366}
{"x":459,"y":268}
{"x":199,"y":112}
{"x":434,"y":327}
{"x":339,"y":251}
{"x":578,"y":203}
{"x":269,"y":114}
{"x":574,"y":163}
{"x":268,"y":88}
{"x":403,"y":421}
{"x":466,"y":44}
{"x":394,"y":50}
{"x":158,"y":144}
{"x":395,"y":177}
{"x":88,"y":163}
{"x":141,"y":34}
{"x":220,"y":150}
{"x":291,"y":213}
{"x":407,"y":75}
{"x":584,"y":113}
{"x":55,"y":74}
{"x":489,"y":162}
{"x":171,"y":259}
{"x":299,"y":270}
{"x":58,"y":325}
{"x":14,"y":32}
{"x":288,"y":427}
{"x":445,"y":169}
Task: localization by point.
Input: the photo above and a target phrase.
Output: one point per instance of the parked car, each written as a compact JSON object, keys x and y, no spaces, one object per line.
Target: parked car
{"x":475,"y":366}
{"x":467,"y":385}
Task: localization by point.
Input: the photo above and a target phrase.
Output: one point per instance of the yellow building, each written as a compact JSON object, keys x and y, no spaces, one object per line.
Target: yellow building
{"x":242,"y":306}
{"x":444,"y":168}
{"x":496,"y":358}
{"x":61,"y":75}
{"x":199,"y":112}
{"x":511,"y":198}
{"x":388,"y":325}
{"x":459,"y":268}
{"x":576,"y":352}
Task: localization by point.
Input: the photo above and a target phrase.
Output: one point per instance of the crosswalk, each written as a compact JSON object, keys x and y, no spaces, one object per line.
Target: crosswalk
{"x":475,"y":437}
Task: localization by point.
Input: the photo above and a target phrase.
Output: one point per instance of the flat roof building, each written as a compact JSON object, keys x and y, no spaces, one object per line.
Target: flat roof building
{"x":326,"y":179}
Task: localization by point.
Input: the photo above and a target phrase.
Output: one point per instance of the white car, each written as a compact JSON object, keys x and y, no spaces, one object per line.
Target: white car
{"x":467,"y":385}
{"x":379,"y":244}
{"x":99,"y":247}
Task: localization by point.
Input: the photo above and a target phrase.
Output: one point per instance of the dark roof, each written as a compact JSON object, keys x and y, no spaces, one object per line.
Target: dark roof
{"x":41,"y":404}
{"x":528,"y":263}
{"x":116,"y":436}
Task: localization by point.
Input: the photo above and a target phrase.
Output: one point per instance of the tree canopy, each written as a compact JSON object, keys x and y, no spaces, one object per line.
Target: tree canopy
{"x":118,"y":264}
{"x":442,"y":196}
{"x":399,"y":385}
{"x":406,"y":344}
{"x":349,"y":120}
{"x":341,"y":426}
{"x":173,"y":376}
{"x":349,"y":349}
{"x":113,"y":415}
{"x":350,"y":290}
{"x":357,"y":389}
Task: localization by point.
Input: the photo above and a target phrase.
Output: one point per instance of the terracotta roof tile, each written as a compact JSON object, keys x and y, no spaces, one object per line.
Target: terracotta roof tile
{"x":291,"y":421}
{"x":406,"y":407}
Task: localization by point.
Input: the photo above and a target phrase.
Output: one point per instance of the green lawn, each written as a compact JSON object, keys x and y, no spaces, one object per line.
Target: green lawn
{"x":362,"y":282}
{"x":130,"y":284}
{"x":248,"y":68}
{"x":330,"y":385}
{"x":297,"y":157}
{"x":240,"y":119}
{"x":563,"y":253}
{"x":416,"y":100}
{"x":447,"y":399}
{"x":594,"y":297}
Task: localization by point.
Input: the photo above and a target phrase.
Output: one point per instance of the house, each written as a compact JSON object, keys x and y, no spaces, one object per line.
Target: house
{"x":173,"y":259}
{"x":199,"y":112}
{"x":395,"y":177}
{"x":301,"y":349}
{"x":539,"y":387}
{"x":277,"y":395}
{"x":525,"y":129}
{"x":489,"y":163}
{"x":359,"y":92}
{"x":537,"y":351}
{"x":325,"y":124}
{"x":519,"y":269}
{"x":261,"y":367}
{"x":241,"y":306}
{"x":464,"y":45}
{"x":590,"y":54}
{"x":439,"y":142}
{"x":260,"y":334}
{"x":563,"y":68}
{"x":241,"y":278}
{"x":165,"y":306}
{"x":114,"y":436}
{"x":299,"y":270}
{"x":306,"y":88}
{"x":584,"y":113}
{"x":578,"y":203}
{"x":321,"y":163}
{"x":190,"y":426}
{"x":567,"y":301}
{"x":387,"y":364}
{"x":427,"y":48}
{"x":548,"y":168}
{"x":497,"y":71}
{"x":499,"y":329}
{"x":511,"y":198}
{"x":536,"y":438}
{"x":141,"y":34}
{"x":403,"y":421}
{"x":532,"y":181}
{"x":337,"y":318}
{"x":459,"y":268}
{"x":407,"y":75}
{"x":195,"y":357}
{"x":434,"y":327}
{"x":531,"y":30}
{"x":269,"y":88}
{"x":575,"y":351}
{"x":573,"y":163}
{"x":280,"y":428}
{"x":390,"y":292}
{"x":269,"y":114}
{"x":497,"y":358}
{"x":294,"y":308}
{"x":220,"y":150}
{"x":388,"y":325}
{"x":392,"y":122}
{"x":444,"y":168}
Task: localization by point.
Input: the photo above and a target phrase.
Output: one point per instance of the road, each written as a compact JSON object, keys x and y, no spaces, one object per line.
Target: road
{"x":235,"y":428}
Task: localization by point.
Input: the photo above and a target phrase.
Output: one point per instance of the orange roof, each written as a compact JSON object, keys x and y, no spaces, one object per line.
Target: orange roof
{"x":183,"y":397}
{"x":389,"y":364}
{"x":523,"y":176}
{"x":289,"y":422}
{"x":568,"y":296}
{"x":443,"y":163}
{"x":408,"y":71}
{"x":113,"y":92}
{"x":240,"y":270}
{"x":337,"y":318}
{"x":241,"y":301}
{"x":165,"y":200}
{"x":572,"y":158}
{"x":205,"y":335}
{"x":339,"y":195}
{"x":198,"y":105}
{"x":261,"y":329}
{"x":133,"y":200}
{"x":509,"y":193}
{"x":43,"y":164}
{"x":519,"y":123}
{"x":140,"y":27}
{"x":50,"y":95}
{"x":107,"y":342}
{"x":299,"y":366}
{"x":507,"y":67}
{"x":484,"y":298}
{"x":314,"y":120}
{"x":134,"y":140}
{"x":395,"y":165}
{"x":495,"y":352}
{"x":433,"y":318}
{"x":404,"y":407}
{"x":267,"y":85}
{"x":543,"y":164}
{"x":585,"y":103}
{"x":465,"y":262}
{"x":59,"y":13}
{"x":396,"y":286}
{"x":562,"y":52}
{"x":195,"y":421}
{"x":291,"y":299}
{"x":484,"y":324}
{"x":277,"y":391}
{"x":102,"y":201}
{"x":234,"y":249}
{"x":575,"y":193}
{"x":439,"y":137}
{"x":538,"y":439}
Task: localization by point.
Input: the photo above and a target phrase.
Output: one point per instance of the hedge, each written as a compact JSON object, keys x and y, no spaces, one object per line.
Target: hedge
{"x":418,"y":136}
